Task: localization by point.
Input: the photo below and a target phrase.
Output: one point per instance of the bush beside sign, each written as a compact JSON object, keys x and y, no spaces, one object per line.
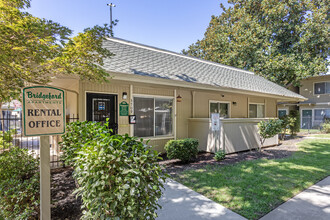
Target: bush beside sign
{"x":43,"y":111}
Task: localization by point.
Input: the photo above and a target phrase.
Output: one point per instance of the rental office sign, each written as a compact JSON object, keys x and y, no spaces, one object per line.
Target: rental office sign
{"x":43,"y":111}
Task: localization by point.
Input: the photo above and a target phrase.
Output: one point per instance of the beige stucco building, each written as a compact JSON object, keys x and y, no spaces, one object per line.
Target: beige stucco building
{"x":172,"y":96}
{"x":314,"y":110}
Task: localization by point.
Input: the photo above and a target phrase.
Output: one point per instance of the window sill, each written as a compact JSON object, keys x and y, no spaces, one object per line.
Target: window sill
{"x":157,"y":138}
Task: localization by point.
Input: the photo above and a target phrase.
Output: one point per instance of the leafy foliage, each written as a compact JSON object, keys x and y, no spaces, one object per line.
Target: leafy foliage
{"x":326,"y":127}
{"x":287,"y":121}
{"x":268,"y":129}
{"x":118,"y":175}
{"x":76,"y":136}
{"x":284,"y":41}
{"x":185,"y":149}
{"x":6,"y":138}
{"x":19,"y":184}
{"x":294,"y":127}
{"x":220,"y":155}
{"x":33,"y":49}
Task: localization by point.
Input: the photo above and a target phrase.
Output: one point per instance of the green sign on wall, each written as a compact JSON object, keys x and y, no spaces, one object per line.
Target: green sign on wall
{"x":123,"y":109}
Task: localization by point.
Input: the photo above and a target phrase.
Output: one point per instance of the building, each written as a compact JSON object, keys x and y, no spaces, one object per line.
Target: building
{"x":171,"y":96}
{"x":316,"y":109}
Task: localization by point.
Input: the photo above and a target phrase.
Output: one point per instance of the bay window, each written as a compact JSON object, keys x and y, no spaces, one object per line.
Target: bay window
{"x":154,"y":116}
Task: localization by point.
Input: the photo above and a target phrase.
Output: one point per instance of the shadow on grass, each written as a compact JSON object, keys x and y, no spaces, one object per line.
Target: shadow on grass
{"x":254,"y":188}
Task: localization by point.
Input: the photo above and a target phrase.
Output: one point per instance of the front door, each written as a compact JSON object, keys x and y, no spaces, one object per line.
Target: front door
{"x":306,"y":119}
{"x":101,"y":107}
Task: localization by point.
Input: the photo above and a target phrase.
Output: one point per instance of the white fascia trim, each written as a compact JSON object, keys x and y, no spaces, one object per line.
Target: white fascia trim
{"x":168,"y":82}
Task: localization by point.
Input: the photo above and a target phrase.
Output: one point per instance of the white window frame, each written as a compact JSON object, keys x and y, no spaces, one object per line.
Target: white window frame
{"x":324,"y":88}
{"x":154,"y":137}
{"x":221,"y":102}
{"x":256,"y":103}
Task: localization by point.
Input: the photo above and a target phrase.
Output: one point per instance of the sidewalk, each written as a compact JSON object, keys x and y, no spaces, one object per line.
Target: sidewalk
{"x":180,"y":203}
{"x":313,"y":203}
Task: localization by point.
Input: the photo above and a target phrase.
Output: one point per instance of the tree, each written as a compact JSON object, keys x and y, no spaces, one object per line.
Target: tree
{"x":268,"y":129}
{"x":284,"y":41}
{"x":33,"y":49}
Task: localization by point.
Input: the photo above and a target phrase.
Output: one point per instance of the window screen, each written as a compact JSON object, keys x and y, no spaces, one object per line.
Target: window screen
{"x":144,"y":111}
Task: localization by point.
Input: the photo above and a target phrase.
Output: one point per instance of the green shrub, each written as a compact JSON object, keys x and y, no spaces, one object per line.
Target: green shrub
{"x":326,"y":127}
{"x":287,"y":121}
{"x":185,"y":149}
{"x":6,"y":138}
{"x":76,"y":136}
{"x":268,"y":129}
{"x":19,"y":185}
{"x":220,"y":155}
{"x":295,"y":127}
{"x":118,"y":176}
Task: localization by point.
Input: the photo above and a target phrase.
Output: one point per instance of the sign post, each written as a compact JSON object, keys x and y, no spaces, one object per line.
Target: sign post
{"x":43,"y":115}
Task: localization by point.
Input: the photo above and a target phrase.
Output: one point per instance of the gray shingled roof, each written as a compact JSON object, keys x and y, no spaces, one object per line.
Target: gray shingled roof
{"x":133,"y":58}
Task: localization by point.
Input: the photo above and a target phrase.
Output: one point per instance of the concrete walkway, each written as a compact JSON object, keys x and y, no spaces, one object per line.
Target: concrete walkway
{"x":180,"y":203}
{"x":313,"y":203}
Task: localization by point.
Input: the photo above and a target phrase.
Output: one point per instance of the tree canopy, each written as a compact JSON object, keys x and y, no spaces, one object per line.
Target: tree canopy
{"x":284,"y":41}
{"x":34,"y":49}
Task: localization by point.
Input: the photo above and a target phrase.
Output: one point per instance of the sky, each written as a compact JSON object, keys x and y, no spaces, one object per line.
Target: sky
{"x":166,"y":24}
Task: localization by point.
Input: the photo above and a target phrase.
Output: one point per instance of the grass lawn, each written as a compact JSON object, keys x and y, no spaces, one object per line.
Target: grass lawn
{"x":254,"y":188}
{"x":322,"y":135}
{"x":311,"y":131}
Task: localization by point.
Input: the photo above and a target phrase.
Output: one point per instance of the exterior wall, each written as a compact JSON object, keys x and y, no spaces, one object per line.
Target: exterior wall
{"x":318,"y":101}
{"x":235,"y":135}
{"x":194,"y":104}
{"x":315,"y":123}
{"x":307,"y":89}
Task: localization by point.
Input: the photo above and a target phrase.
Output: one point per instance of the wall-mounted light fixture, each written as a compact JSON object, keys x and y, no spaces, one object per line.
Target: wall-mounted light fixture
{"x":178,"y":98}
{"x":124,"y":95}
{"x":234,"y":103}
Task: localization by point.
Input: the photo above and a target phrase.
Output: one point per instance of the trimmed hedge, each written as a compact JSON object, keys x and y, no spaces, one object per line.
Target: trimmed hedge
{"x":186,"y":149}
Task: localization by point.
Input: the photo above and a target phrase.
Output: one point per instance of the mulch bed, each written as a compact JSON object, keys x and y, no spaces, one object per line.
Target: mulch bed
{"x":65,"y":205}
{"x":285,"y":149}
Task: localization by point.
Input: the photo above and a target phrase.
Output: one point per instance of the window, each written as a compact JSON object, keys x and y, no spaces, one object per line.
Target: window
{"x":322,"y":88}
{"x":320,"y":114}
{"x":256,"y":110}
{"x":282,"y":112}
{"x":153,"y":116}
{"x":219,"y":107}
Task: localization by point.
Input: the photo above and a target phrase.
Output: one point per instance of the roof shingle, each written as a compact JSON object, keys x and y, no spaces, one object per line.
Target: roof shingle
{"x":133,"y":58}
